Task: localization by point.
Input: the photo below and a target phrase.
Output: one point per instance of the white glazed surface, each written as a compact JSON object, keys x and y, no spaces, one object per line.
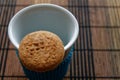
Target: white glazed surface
{"x":48,"y":17}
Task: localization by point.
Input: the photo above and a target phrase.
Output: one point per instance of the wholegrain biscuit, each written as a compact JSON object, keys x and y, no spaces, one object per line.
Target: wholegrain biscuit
{"x":41,"y":51}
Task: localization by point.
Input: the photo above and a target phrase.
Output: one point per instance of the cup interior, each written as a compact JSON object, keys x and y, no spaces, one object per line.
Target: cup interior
{"x":43,"y":17}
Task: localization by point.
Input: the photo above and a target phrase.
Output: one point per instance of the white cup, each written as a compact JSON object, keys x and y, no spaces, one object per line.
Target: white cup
{"x":48,"y":17}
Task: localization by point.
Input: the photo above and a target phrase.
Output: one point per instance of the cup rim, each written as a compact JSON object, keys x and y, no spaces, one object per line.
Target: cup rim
{"x":67,"y":46}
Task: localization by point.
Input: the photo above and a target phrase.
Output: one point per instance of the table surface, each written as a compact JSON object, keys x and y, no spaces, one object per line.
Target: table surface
{"x":96,"y":51}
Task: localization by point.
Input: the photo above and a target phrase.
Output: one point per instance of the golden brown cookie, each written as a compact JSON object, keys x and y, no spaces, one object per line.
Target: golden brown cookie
{"x":41,"y":51}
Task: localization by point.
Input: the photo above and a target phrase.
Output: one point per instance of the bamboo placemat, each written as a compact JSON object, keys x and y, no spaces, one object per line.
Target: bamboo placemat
{"x":97,"y":49}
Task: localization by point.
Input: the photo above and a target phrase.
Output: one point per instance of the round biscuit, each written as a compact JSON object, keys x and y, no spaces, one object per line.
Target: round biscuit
{"x":41,"y":51}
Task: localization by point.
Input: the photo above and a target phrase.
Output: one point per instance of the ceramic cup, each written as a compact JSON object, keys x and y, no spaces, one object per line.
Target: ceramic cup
{"x":48,"y":17}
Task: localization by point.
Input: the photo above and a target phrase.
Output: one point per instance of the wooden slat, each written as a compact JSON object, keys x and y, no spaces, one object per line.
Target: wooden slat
{"x":3,"y":53}
{"x":115,"y":57}
{"x":57,"y":2}
{"x":13,"y":66}
{"x":107,"y":63}
{"x":97,"y":2}
{"x":102,"y":67}
{"x":104,"y":38}
{"x":104,"y":3}
{"x":11,"y":46}
{"x":60,"y":2}
{"x":15,"y":78}
{"x":98,"y":17}
{"x":100,"y":38}
{"x":105,"y":17}
{"x":24,"y":2}
{"x":111,"y":3}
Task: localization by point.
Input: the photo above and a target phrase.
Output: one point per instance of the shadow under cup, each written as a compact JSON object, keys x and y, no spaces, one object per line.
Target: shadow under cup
{"x":47,"y":17}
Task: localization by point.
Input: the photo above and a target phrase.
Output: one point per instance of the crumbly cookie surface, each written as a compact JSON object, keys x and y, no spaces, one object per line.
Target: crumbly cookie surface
{"x":41,"y":51}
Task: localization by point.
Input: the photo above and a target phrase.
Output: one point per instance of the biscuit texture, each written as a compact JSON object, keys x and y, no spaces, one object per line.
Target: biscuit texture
{"x":41,"y":51}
